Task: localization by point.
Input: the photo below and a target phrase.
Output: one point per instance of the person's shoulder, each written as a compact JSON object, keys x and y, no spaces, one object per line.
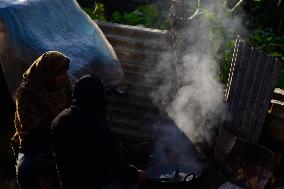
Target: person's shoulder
{"x":24,"y":89}
{"x":61,"y":118}
{"x":63,"y":115}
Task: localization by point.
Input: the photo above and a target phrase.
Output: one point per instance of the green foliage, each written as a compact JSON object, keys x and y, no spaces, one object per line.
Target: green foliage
{"x":260,"y":36}
{"x":133,"y":18}
{"x":269,"y":42}
{"x":272,"y":44}
{"x":226,"y":62}
{"x":147,"y":15}
{"x":97,"y":13}
{"x":266,"y":32}
{"x":222,"y":47}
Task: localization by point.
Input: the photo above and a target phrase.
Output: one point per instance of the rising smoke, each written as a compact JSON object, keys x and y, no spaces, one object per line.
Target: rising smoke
{"x":191,"y":94}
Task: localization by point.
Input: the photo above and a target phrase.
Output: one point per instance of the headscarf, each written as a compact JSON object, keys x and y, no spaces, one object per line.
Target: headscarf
{"x":46,"y":67}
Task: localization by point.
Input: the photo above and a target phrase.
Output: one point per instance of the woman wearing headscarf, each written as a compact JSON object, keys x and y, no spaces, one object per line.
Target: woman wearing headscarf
{"x":44,"y":92}
{"x":86,"y":154}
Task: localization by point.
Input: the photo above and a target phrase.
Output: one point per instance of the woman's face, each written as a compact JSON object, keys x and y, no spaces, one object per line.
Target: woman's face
{"x":60,"y":79}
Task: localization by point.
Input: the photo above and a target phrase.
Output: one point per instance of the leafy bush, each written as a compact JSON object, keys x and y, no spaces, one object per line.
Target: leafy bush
{"x":272,"y":44}
{"x":96,"y":13}
{"x":147,"y":15}
{"x":269,"y":42}
{"x":267,"y":30}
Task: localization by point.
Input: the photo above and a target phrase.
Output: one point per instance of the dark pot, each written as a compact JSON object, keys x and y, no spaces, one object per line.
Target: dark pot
{"x":155,"y":183}
{"x":189,"y":180}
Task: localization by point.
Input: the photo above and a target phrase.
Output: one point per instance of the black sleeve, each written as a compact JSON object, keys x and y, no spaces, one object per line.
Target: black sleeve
{"x":118,"y":164}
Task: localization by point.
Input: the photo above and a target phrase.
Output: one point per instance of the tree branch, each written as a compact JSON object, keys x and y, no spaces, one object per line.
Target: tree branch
{"x":198,"y":11}
{"x":225,"y":4}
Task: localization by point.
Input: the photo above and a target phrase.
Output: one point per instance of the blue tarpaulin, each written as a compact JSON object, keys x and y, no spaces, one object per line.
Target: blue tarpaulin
{"x":32,"y":27}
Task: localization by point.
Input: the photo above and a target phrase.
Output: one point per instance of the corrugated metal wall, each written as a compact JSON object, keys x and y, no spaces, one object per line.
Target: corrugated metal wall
{"x":133,"y":114}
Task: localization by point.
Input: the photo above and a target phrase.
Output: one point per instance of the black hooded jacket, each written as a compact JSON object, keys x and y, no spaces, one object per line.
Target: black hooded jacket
{"x":85,"y":150}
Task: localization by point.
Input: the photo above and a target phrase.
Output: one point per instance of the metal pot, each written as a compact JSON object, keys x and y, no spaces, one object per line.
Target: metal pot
{"x":171,"y":176}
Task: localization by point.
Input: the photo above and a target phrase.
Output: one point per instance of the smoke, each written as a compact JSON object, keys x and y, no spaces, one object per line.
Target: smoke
{"x":198,"y":102}
{"x":191,"y":94}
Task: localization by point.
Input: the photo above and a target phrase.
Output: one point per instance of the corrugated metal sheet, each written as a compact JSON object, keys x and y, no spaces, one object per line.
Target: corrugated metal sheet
{"x":252,"y":79}
{"x":138,"y":49}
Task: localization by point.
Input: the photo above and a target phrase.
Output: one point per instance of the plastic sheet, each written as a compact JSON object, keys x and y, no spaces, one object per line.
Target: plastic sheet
{"x":31,"y":27}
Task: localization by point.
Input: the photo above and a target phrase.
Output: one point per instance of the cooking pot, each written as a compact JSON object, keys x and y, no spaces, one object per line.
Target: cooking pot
{"x":171,"y":176}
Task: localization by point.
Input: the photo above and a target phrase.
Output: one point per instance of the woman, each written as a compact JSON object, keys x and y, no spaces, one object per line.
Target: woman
{"x":44,"y":92}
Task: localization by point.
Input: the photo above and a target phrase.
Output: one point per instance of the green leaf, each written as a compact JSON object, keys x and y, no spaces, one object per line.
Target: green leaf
{"x":117,"y":17}
{"x":133,"y":18}
{"x":97,"y":13}
{"x":276,"y":54}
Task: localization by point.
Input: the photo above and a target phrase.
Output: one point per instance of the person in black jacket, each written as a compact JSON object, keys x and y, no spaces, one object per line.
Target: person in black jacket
{"x":85,"y":150}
